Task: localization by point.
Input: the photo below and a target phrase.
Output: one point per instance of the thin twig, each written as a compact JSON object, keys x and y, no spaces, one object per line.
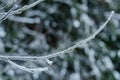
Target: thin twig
{"x":80,"y":43}
{"x":8,"y":13}
{"x":18,"y":11}
{"x":27,"y":7}
{"x":30,"y":70}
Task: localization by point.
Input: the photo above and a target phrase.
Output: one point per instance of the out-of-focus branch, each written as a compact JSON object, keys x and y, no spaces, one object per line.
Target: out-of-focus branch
{"x":24,"y":19}
{"x":80,"y":43}
{"x":9,"y":2}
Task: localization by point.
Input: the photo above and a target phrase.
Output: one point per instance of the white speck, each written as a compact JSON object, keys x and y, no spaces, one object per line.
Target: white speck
{"x":11,"y":72}
{"x":74,"y":76}
{"x":116,"y":75}
{"x":87,"y":20}
{"x":84,"y":7}
{"x":118,"y":53}
{"x":1,"y":46}
{"x":2,"y":32}
{"x":73,"y":12}
{"x":76,"y":23}
{"x":108,"y":63}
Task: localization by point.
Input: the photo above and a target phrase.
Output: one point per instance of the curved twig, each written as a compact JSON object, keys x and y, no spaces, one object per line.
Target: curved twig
{"x":80,"y":43}
{"x":30,"y":70}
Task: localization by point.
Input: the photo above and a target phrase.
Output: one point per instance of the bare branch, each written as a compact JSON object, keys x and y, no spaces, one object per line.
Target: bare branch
{"x":9,"y":2}
{"x":27,"y":7}
{"x":80,"y":43}
{"x":24,"y":19}
{"x":18,"y":11}
{"x":30,"y":70}
{"x":8,"y":13}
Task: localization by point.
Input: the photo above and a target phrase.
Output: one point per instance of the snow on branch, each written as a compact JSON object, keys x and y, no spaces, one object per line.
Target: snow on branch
{"x":47,"y":57}
{"x":27,"y":7}
{"x":8,"y":13}
{"x":18,"y":11}
{"x":80,"y":43}
{"x":30,"y":70}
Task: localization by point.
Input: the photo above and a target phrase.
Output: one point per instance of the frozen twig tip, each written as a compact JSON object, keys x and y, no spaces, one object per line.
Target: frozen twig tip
{"x":113,"y":12}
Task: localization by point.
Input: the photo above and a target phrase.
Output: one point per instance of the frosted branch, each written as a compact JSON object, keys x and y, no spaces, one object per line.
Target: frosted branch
{"x":8,"y":13}
{"x":30,"y":70}
{"x":27,"y":7}
{"x":80,"y":43}
{"x":18,"y":11}
{"x":49,"y":62}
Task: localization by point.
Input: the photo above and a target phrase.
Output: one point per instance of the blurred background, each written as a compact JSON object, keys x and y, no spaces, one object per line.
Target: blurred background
{"x":55,"y":25}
